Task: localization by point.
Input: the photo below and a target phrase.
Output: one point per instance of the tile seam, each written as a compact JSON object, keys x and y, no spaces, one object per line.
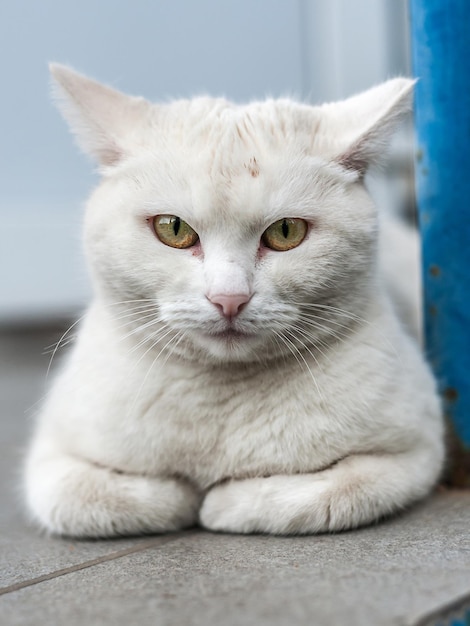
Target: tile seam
{"x":155,"y":543}
{"x":443,"y":611}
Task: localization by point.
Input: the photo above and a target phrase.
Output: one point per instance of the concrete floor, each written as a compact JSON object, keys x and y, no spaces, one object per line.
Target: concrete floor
{"x":410,"y":570}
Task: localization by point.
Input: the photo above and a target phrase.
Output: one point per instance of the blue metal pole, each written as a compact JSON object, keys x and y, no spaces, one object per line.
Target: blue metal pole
{"x":441,"y":59}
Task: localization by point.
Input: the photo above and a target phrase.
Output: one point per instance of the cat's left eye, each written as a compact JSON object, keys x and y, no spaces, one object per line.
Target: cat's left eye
{"x":174,"y":232}
{"x":285,"y":234}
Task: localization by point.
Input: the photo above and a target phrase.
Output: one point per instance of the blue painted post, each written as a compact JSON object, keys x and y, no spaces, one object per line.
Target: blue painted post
{"x":441,"y":58}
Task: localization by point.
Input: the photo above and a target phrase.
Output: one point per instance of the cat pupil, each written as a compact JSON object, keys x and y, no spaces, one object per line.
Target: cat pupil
{"x":285,"y":228}
{"x":176,"y":226}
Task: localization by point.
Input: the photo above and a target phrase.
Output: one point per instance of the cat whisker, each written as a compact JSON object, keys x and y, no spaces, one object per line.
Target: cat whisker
{"x":332,"y":332}
{"x":291,"y":348}
{"x":315,"y":341}
{"x":172,"y":339}
{"x":330,"y":320}
{"x":133,"y":313}
{"x":152,"y":320}
{"x":304,"y":346}
{"x":129,"y":317}
{"x":137,"y":301}
{"x":282,"y":354}
{"x":349,"y":315}
{"x":172,"y":349}
{"x":140,"y":308}
{"x":53,"y":348}
{"x":59,"y":343}
{"x":157,"y":338}
{"x":298,"y":354}
{"x":329,"y":307}
{"x":325,"y":333}
{"x":49,"y":349}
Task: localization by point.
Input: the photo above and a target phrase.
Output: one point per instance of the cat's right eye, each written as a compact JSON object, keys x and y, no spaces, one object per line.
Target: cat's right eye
{"x":174,"y":232}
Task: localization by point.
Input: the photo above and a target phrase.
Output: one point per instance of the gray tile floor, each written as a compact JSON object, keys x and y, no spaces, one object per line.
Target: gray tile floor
{"x":399,"y":572}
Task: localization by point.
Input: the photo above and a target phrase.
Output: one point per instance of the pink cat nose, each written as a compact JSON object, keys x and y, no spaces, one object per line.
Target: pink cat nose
{"x":230,"y":305}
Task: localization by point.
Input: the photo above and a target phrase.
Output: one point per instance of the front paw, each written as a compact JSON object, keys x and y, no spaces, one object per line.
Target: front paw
{"x":233,"y":507}
{"x":280,"y":505}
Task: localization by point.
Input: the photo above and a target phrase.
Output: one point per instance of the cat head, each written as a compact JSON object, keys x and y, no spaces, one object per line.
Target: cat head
{"x":232,"y":232}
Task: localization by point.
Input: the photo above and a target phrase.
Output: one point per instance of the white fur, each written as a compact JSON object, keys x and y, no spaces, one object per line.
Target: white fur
{"x":323,"y":417}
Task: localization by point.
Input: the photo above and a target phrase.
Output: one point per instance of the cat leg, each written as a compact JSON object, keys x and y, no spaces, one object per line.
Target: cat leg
{"x":355,"y":491}
{"x":73,"y":497}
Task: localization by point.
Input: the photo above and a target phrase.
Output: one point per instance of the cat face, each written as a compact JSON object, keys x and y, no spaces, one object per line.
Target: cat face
{"x":228,"y":233}
{"x":232,"y":290}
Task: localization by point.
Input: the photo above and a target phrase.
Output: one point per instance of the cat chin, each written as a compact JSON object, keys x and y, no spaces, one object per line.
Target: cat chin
{"x":229,"y":347}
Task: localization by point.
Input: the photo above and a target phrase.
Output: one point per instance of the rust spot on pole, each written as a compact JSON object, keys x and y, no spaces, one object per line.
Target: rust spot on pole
{"x":457,"y":472}
{"x":451,"y":394}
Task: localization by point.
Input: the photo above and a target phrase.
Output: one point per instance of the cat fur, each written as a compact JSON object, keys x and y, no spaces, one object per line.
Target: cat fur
{"x":322,"y":415}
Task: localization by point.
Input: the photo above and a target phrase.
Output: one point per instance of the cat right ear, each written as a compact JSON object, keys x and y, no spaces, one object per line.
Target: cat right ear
{"x":103,"y":120}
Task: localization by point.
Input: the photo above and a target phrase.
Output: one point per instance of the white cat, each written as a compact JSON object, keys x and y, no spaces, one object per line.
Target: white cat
{"x":241,"y":365}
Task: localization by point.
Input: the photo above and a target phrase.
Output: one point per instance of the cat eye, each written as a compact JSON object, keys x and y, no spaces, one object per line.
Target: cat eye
{"x":285,"y":234}
{"x":174,"y":232}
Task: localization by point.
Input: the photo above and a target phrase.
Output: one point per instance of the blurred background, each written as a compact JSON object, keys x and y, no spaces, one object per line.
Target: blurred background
{"x":316,"y":50}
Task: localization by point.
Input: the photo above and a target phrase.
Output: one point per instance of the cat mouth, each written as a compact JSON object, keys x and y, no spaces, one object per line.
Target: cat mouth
{"x":230,"y":334}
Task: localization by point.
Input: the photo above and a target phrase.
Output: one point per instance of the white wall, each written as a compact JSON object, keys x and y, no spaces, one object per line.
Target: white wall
{"x":321,"y":49}
{"x":350,"y":45}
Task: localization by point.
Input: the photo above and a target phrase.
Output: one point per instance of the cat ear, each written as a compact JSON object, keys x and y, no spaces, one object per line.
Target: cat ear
{"x":364,"y":124}
{"x":102,"y":118}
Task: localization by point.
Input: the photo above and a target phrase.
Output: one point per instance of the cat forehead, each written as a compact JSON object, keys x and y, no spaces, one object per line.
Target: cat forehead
{"x":205,"y":116}
{"x":209,"y":155}
{"x":259,"y":190}
{"x":222,"y":130}
{"x":226,"y":143}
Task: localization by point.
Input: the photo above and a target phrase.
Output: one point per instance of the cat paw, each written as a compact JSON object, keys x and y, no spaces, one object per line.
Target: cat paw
{"x":72,"y":497}
{"x":280,"y":505}
{"x":276,"y":505}
{"x":229,"y":507}
{"x":357,"y":490}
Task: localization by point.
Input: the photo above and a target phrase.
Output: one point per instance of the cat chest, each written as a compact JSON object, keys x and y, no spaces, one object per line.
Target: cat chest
{"x":213,"y":433}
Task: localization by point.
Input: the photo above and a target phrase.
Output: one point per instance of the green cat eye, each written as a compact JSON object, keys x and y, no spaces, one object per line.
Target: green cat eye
{"x":174,"y":232}
{"x":285,"y":234}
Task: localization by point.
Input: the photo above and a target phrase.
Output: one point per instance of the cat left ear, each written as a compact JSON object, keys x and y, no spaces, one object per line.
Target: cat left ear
{"x":104,"y":120}
{"x":364,"y":124}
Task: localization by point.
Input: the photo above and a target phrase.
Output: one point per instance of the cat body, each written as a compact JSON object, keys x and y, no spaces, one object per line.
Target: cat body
{"x":232,"y":382}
